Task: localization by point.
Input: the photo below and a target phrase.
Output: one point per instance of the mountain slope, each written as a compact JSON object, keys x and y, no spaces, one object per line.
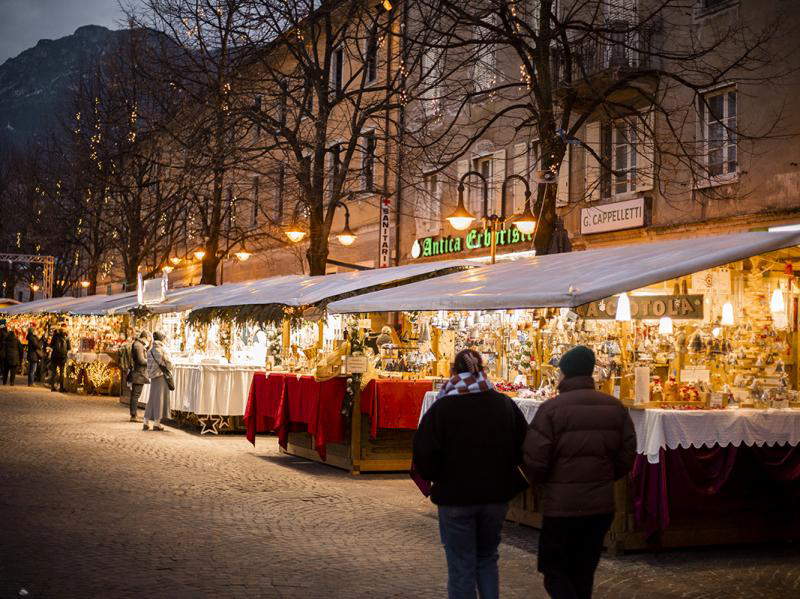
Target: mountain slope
{"x":35,"y":86}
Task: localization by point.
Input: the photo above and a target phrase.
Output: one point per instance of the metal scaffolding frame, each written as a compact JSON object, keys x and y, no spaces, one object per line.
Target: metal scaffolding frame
{"x":48,"y":267}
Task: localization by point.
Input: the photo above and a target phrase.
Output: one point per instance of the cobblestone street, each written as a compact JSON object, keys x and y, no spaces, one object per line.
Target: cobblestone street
{"x":92,"y":506}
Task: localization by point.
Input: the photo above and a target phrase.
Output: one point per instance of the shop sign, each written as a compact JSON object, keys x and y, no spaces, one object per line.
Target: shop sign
{"x":475,"y":239}
{"x":613,"y":217}
{"x":644,"y":307}
{"x":151,"y":291}
{"x":355,"y":364}
{"x":384,"y":251}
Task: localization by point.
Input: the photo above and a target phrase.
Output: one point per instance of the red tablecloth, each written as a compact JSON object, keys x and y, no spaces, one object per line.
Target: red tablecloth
{"x":393,"y":403}
{"x":265,"y":402}
{"x":714,"y":480}
{"x":284,"y":402}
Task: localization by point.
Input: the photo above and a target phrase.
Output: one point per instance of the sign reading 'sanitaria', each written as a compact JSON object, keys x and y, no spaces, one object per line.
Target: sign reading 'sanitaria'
{"x":644,"y":307}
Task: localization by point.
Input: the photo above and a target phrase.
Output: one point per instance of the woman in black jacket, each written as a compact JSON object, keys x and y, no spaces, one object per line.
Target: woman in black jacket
{"x":469,"y":444}
{"x":14,"y":352}
{"x":34,"y":355}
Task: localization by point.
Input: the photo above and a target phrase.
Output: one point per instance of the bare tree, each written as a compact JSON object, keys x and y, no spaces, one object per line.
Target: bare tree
{"x":551,"y":71}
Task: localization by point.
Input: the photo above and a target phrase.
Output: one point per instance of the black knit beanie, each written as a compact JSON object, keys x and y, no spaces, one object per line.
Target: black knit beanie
{"x":579,"y":361}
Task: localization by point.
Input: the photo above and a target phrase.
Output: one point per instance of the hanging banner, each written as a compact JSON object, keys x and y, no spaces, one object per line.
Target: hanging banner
{"x":384,"y":241}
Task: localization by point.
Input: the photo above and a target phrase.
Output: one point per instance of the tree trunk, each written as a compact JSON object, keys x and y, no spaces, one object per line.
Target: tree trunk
{"x":208,"y":270}
{"x":317,"y":253}
{"x":552,"y":155}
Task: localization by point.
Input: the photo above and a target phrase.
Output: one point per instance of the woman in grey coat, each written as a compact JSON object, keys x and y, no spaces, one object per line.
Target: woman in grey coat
{"x":158,"y":403}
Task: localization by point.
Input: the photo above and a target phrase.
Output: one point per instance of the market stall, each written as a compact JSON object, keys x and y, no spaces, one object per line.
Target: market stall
{"x":698,"y":337}
{"x":343,"y":413}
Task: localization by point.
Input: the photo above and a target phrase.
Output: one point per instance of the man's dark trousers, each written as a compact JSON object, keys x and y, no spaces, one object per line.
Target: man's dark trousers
{"x":569,"y":551}
{"x":136,"y":393}
{"x":58,"y":369}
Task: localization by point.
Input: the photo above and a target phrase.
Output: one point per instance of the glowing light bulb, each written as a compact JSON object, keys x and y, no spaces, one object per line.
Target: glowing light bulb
{"x":665,"y":325}
{"x":727,"y":314}
{"x":623,"y":308}
{"x":776,"y":304}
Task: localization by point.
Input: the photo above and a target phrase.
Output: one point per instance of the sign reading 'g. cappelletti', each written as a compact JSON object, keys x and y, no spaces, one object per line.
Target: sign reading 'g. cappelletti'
{"x":644,"y":307}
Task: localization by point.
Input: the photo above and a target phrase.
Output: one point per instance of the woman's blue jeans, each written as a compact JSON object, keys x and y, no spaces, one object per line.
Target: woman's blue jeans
{"x":471,"y":535}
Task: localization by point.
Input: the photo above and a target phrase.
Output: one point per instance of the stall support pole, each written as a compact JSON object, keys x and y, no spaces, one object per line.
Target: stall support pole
{"x":355,"y":434}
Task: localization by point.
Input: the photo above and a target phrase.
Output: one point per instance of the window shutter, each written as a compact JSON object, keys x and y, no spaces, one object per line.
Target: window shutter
{"x":645,"y":150}
{"x":593,"y":167}
{"x":498,"y":176}
{"x":521,"y":169}
{"x":461,"y":169}
{"x":562,"y":195}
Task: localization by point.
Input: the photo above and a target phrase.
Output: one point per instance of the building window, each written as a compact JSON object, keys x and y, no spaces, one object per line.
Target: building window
{"x":484,"y":165}
{"x":485,"y":60}
{"x":256,"y":201}
{"x":334,"y":164}
{"x":337,"y":70}
{"x":371,"y":54}
{"x":431,"y":67}
{"x":624,"y":152}
{"x":368,"y":159}
{"x":432,"y":194}
{"x":718,"y":122}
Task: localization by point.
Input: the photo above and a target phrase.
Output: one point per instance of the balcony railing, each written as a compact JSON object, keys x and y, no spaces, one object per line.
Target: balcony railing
{"x":629,"y":48}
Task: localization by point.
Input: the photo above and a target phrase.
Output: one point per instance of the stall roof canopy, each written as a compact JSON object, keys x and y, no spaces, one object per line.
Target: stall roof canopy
{"x":295,"y":290}
{"x":120,"y":303}
{"x":571,"y":279}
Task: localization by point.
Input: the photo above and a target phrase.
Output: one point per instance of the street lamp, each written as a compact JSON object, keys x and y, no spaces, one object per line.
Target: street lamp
{"x":34,"y":287}
{"x":167,"y":269}
{"x":199,"y":253}
{"x":242,"y":255}
{"x":525,"y":222}
{"x":346,"y":237}
{"x":85,"y":284}
{"x":175,"y":260}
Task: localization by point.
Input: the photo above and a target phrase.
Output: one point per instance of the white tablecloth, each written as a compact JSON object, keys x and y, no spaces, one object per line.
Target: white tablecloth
{"x":527,"y":406}
{"x":669,"y":429}
{"x":90,"y":357}
{"x":209,"y":389}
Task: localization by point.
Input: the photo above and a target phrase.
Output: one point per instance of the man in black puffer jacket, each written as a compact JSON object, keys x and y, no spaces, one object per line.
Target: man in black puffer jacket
{"x":578,"y":444}
{"x":469,"y":444}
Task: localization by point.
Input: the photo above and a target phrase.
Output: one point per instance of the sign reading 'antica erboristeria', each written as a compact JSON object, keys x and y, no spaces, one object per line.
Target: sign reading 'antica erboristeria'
{"x":475,"y":239}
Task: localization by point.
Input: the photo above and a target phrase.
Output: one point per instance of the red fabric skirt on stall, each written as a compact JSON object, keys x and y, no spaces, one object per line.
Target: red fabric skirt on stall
{"x":393,"y":404}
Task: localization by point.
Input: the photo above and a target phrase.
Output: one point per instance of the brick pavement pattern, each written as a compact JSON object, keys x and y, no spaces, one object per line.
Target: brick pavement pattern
{"x":92,"y":506}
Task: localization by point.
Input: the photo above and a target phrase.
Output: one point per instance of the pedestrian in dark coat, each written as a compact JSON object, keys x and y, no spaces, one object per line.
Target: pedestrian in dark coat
{"x":469,"y":444}
{"x":578,"y":444}
{"x":14,"y":353}
{"x":59,"y":352}
{"x":3,"y":332}
{"x":138,"y":374}
{"x":34,"y":355}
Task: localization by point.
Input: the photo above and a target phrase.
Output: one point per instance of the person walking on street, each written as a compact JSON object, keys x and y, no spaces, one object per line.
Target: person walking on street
{"x":34,"y":355}
{"x":469,"y":444}
{"x":158,"y":360}
{"x":138,"y":374}
{"x":14,"y":354}
{"x":59,"y":352}
{"x":578,"y":444}
{"x":3,"y":333}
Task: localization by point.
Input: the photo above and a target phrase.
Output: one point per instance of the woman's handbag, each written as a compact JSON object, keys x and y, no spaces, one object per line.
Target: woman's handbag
{"x":166,"y":372}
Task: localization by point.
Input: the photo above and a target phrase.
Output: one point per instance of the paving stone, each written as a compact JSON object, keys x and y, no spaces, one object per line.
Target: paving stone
{"x":92,"y":506}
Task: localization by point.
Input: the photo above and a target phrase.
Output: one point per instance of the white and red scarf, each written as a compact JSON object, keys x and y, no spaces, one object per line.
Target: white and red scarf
{"x":466,"y":382}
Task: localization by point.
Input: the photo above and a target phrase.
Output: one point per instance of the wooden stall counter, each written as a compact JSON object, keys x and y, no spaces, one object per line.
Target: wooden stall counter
{"x":310,"y":419}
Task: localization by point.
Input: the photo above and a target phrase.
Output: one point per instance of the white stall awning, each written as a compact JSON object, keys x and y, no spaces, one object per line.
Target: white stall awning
{"x":571,"y":279}
{"x":298,"y":290}
{"x":55,"y":305}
